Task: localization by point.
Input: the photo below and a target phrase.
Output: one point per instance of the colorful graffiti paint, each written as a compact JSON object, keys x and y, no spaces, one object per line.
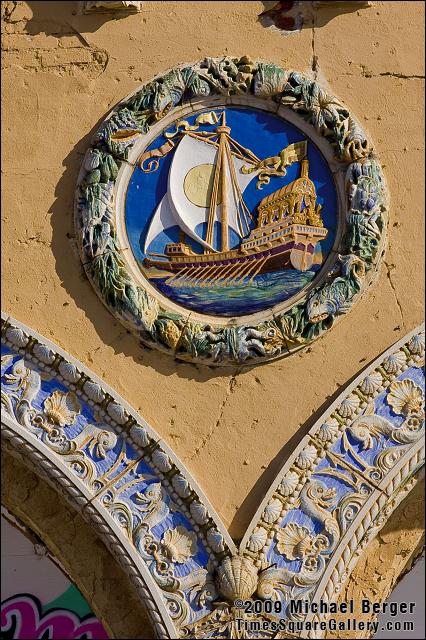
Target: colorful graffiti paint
{"x":38,"y":600}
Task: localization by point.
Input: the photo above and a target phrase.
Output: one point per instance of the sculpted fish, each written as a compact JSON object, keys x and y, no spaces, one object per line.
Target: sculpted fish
{"x":335,"y":298}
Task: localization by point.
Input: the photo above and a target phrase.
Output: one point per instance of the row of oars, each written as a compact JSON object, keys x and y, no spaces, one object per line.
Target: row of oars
{"x":223,"y":276}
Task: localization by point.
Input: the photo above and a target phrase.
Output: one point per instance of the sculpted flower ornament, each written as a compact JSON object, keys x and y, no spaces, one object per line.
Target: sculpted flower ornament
{"x":61,"y":408}
{"x":406,"y":398}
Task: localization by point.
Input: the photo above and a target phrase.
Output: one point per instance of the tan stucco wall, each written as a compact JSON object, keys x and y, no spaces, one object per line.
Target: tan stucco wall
{"x":62,"y":73}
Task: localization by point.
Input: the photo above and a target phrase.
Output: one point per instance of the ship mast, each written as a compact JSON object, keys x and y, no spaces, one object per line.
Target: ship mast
{"x":224,"y":131}
{"x":220,"y":186}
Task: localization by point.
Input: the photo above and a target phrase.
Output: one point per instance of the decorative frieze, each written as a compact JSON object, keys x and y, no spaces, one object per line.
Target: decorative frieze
{"x":335,"y":492}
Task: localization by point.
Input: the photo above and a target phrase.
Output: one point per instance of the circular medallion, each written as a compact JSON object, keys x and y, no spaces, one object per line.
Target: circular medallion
{"x":230,"y":211}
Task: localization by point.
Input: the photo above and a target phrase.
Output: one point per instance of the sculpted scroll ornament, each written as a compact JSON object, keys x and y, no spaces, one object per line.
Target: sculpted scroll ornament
{"x":334,"y":493}
{"x":363,"y":217}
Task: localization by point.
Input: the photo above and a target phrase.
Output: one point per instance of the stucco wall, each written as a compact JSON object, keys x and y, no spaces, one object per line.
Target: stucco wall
{"x":62,"y":73}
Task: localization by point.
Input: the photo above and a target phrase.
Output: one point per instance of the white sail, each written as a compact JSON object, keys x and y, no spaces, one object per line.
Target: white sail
{"x":177,"y":209}
{"x":161,"y":220}
{"x":192,"y":153}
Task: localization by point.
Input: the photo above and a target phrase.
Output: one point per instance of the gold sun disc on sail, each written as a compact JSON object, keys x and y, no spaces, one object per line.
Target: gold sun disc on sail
{"x":198,"y":185}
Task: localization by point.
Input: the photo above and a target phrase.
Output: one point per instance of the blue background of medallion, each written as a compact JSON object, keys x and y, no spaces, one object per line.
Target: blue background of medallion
{"x":266,"y":135}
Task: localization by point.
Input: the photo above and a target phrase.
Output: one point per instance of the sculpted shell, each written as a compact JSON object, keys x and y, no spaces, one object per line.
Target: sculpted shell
{"x":371,"y":383}
{"x":215,"y":540}
{"x":349,"y":406}
{"x":272,"y":511}
{"x":93,"y":391}
{"x":198,"y":512}
{"x":307,"y":457}
{"x":179,"y":544}
{"x":17,"y":337}
{"x":257,"y":539}
{"x":69,"y":372}
{"x":181,"y":486}
{"x":237,"y":578}
{"x":328,"y":431}
{"x":62,"y":408}
{"x":140,"y":435}
{"x":43,"y":353}
{"x":394,"y":362}
{"x":417,"y":344}
{"x":294,"y":541}
{"x":288,"y":483}
{"x":161,"y":460}
{"x":405,"y":397}
{"x":117,"y":412}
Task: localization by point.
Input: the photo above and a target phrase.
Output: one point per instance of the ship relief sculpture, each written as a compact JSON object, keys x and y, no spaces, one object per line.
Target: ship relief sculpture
{"x":230,"y":211}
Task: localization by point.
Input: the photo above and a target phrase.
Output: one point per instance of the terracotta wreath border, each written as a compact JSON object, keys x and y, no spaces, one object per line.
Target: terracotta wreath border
{"x":348,"y":270}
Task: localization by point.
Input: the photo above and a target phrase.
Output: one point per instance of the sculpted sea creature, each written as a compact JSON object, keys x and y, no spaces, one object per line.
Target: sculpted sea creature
{"x":61,"y":408}
{"x":151,"y":504}
{"x":238,"y":343}
{"x":335,"y":298}
{"x":405,"y":397}
{"x":179,"y":544}
{"x":236,"y":578}
{"x":370,"y":425}
{"x":314,"y":500}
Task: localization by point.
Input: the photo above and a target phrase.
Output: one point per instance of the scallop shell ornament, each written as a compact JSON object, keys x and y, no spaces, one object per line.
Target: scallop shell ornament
{"x":215,"y":540}
{"x":43,"y":353}
{"x":394,"y":362}
{"x":417,"y":344}
{"x":272,"y":511}
{"x":257,"y":539}
{"x":288,"y":483}
{"x":371,"y":383}
{"x":179,"y":544}
{"x":294,"y":541}
{"x":236,"y":578}
{"x":328,"y":431}
{"x":348,"y":406}
{"x":140,"y":435}
{"x":306,"y":457}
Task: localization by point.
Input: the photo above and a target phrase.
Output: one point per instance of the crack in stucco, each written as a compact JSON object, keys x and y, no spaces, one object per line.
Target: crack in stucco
{"x":314,"y":63}
{"x":389,"y":268}
{"x":393,"y":74}
{"x":205,"y":439}
{"x":366,"y":73}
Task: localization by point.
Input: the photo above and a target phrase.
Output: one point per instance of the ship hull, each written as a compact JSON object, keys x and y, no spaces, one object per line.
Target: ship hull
{"x":236,"y":265}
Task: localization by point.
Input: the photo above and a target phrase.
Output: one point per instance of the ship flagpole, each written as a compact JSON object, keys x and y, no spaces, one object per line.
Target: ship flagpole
{"x":224,"y":130}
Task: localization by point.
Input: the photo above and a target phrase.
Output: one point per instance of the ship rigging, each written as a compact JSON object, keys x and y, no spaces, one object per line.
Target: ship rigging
{"x":289,"y":223}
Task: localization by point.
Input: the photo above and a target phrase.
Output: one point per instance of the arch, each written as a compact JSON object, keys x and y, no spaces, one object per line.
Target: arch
{"x":89,"y":564}
{"x":332,"y":496}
